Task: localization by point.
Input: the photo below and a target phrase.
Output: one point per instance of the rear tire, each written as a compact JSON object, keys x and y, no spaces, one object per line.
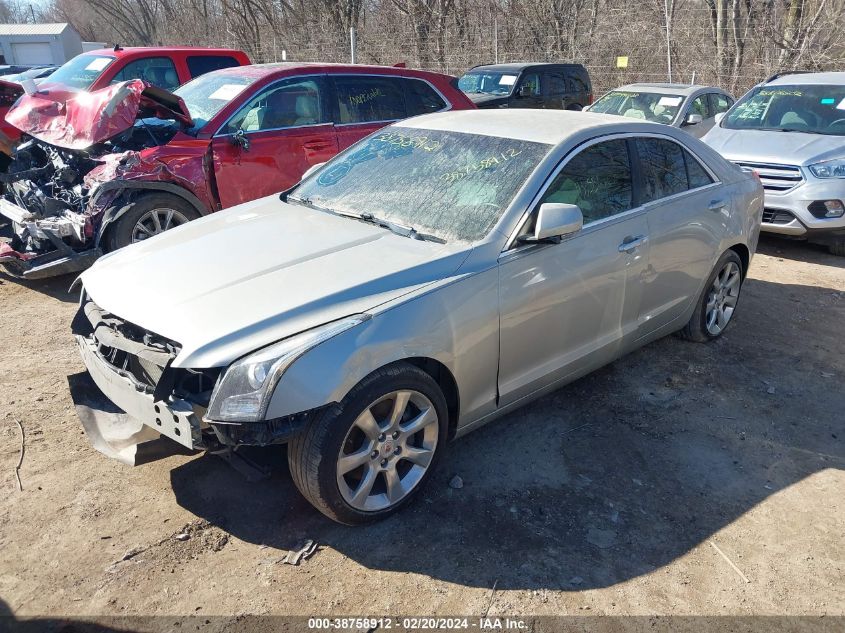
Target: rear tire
{"x":148,"y":215}
{"x":365,"y":458}
{"x":837,"y":248}
{"x":716,"y":305}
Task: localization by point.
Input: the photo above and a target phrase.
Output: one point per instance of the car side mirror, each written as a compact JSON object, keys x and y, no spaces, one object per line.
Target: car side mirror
{"x":311,"y":170}
{"x":693,"y":118}
{"x":720,"y":116}
{"x":524,"y":91}
{"x":240,"y":139}
{"x":555,"y":220}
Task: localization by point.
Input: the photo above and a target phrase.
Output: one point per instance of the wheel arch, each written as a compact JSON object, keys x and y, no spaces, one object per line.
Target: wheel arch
{"x":447,"y":383}
{"x":744,"y":255}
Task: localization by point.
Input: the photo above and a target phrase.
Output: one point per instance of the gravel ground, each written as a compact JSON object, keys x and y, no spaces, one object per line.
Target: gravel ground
{"x":683,"y":479}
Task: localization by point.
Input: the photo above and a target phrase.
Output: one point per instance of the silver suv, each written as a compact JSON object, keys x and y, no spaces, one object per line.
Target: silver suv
{"x":791,"y":130}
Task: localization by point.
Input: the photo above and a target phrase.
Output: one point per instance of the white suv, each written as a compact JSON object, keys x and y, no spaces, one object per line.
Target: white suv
{"x":791,"y":131}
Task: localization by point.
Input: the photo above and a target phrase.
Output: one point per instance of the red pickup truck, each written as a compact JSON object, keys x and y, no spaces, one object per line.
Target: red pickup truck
{"x":165,"y":67}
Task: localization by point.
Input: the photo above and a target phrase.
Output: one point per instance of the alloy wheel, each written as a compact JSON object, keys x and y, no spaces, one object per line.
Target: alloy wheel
{"x":721,"y":302}
{"x":387,"y":451}
{"x":156,"y":221}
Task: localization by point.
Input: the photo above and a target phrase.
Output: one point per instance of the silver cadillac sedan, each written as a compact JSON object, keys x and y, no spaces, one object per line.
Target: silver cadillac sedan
{"x":424,"y":282}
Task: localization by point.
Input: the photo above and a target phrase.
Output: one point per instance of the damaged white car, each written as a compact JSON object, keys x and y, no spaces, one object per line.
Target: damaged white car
{"x":432,"y":277}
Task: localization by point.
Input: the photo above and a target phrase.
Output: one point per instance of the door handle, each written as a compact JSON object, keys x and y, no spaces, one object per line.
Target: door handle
{"x":316,"y":145}
{"x":632,"y":243}
{"x":716,"y":205}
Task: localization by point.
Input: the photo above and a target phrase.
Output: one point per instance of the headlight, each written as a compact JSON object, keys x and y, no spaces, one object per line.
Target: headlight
{"x":829,"y":169}
{"x":244,"y":391}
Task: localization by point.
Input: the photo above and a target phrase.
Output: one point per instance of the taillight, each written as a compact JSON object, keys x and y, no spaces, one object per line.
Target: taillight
{"x":590,"y":98}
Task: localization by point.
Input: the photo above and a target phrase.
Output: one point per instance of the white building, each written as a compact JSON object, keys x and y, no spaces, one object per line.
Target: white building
{"x":37,"y":44}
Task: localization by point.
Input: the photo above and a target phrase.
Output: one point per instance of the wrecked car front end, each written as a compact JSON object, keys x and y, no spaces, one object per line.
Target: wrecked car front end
{"x":61,"y":183}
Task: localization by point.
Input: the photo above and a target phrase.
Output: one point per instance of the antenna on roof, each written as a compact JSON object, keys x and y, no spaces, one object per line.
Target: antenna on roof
{"x":117,"y":47}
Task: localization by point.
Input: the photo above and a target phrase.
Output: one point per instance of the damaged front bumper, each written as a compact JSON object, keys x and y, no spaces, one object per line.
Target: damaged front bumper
{"x":62,"y":260}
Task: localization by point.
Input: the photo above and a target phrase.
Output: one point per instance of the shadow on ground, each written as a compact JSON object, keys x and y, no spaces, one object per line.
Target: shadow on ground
{"x":605,"y":480}
{"x":798,"y":250}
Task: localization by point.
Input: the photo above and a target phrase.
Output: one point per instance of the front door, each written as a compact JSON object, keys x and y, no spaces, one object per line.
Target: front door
{"x":527,"y":93}
{"x":566,"y":308}
{"x":272,"y":140}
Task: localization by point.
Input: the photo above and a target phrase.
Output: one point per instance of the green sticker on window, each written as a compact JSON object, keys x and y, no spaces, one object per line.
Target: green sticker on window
{"x":828,"y":101}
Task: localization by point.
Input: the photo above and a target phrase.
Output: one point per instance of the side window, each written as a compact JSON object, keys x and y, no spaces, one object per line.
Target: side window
{"x":697,"y":175}
{"x":554,"y":84}
{"x":719,"y":103}
{"x":532,"y":80}
{"x":365,"y":99}
{"x":700,"y":106}
{"x":598,"y":180}
{"x":576,"y":85}
{"x":201,"y":64}
{"x":422,"y":98}
{"x":663,"y":167}
{"x":159,"y":71}
{"x":289,"y":103}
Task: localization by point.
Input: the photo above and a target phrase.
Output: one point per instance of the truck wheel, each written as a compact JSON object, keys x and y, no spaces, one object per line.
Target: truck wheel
{"x":362,"y":460}
{"x":837,"y":248}
{"x":148,"y":215}
{"x":717,"y":302}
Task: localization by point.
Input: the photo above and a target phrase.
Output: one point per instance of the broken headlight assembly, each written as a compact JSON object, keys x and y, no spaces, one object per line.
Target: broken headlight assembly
{"x":244,"y":391}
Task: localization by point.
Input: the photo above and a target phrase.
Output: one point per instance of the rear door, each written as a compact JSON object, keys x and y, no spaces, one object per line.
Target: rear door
{"x":553,"y":85}
{"x":366,"y":103}
{"x":267,"y":145}
{"x":686,"y":211}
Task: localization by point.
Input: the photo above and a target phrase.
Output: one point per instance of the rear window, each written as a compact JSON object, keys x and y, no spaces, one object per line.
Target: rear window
{"x":201,"y":64}
{"x":369,"y":99}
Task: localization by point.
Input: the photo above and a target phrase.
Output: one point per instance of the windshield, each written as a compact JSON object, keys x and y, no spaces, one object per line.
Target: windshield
{"x":649,"y":106}
{"x":487,"y":83}
{"x":81,"y":71}
{"x":206,"y":95}
{"x":448,"y":184}
{"x":815,"y":109}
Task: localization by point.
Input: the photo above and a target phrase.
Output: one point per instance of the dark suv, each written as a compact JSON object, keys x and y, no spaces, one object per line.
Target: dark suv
{"x":554,"y":86}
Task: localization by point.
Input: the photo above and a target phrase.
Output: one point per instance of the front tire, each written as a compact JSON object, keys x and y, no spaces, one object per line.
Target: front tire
{"x":718,"y":301}
{"x":366,"y":458}
{"x":147,"y":216}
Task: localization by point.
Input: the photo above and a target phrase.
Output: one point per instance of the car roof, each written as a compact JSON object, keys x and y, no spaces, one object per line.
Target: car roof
{"x":259,"y":71}
{"x":537,"y":126}
{"x":134,"y":50}
{"x":667,"y":88}
{"x":516,"y":67}
{"x":791,"y":79}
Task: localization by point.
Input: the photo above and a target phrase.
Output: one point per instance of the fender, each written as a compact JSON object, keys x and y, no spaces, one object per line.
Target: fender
{"x":118,"y":187}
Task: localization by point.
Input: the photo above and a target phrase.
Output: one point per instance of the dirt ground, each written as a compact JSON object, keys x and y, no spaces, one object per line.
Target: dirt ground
{"x":683,"y":479}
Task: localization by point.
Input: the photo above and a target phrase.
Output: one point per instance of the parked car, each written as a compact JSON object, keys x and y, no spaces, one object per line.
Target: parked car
{"x":791,"y":130}
{"x":166,"y":67}
{"x":691,"y":108}
{"x":429,"y":279}
{"x":555,"y":86}
{"x":225,"y":138}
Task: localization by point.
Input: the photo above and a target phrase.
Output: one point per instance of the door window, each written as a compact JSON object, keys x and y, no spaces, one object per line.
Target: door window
{"x":598,"y":180}
{"x":555,"y":84}
{"x":201,"y":64}
{"x":159,"y":71}
{"x":286,"y":104}
{"x":422,"y":98}
{"x":719,"y":103}
{"x":668,"y":169}
{"x":369,"y":99}
{"x":700,"y":106}
{"x":533,"y":82}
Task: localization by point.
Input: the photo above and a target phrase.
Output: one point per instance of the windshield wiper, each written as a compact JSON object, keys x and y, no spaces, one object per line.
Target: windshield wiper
{"x":394,"y":227}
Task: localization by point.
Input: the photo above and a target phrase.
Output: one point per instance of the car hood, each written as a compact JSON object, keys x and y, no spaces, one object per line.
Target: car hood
{"x":486,"y":100}
{"x":240,"y":279}
{"x":77,"y":120}
{"x":791,"y":148}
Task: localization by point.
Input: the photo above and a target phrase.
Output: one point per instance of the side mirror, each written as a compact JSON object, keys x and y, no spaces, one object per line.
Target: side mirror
{"x":555,"y":220}
{"x":524,"y":91}
{"x":720,"y":116}
{"x":240,"y":139}
{"x":311,"y":170}
{"x":693,"y":118}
